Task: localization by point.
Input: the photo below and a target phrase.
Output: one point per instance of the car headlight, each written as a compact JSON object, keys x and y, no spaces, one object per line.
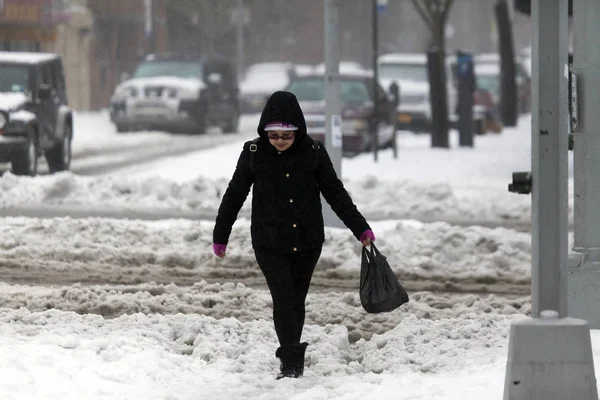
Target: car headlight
{"x":354,"y":124}
{"x":412,"y":98}
{"x":188,"y":94}
{"x":3,"y":119}
{"x":360,"y":123}
{"x":126,"y":91}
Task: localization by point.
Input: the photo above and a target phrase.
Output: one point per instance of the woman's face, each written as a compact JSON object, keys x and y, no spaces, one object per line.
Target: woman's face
{"x":281,"y":140}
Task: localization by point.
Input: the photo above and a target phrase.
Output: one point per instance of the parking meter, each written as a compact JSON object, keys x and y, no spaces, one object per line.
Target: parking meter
{"x":395,"y":91}
{"x":465,"y":75}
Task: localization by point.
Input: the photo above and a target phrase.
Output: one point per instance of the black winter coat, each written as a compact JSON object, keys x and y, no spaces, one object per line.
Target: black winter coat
{"x":286,"y":202}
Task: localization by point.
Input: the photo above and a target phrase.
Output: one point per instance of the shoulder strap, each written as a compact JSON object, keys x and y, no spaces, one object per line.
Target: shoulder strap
{"x":252,"y":148}
{"x":316,"y":147}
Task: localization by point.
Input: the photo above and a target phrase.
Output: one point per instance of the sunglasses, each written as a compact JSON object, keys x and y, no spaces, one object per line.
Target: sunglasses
{"x":285,"y":136}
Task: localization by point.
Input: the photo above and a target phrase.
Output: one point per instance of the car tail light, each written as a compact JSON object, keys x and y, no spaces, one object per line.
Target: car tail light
{"x":3,"y":119}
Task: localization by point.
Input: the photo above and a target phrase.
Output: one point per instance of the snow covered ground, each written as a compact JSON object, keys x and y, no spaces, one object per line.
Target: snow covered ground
{"x":424,"y":183}
{"x":61,"y":355}
{"x":156,"y":316}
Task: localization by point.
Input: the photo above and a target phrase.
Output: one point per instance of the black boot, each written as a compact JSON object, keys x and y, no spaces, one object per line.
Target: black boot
{"x":292,"y":360}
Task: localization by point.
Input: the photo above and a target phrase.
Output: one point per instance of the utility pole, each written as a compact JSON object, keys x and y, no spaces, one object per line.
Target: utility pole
{"x":333,"y":107}
{"x":149,"y":26}
{"x":375,"y":124}
{"x":550,"y":355}
{"x":240,"y":23}
{"x":549,"y":140}
{"x":584,"y":277}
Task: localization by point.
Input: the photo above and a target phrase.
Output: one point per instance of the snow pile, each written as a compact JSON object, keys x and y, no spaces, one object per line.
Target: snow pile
{"x":122,"y":251}
{"x":375,"y":198}
{"x":246,"y":304}
{"x":69,"y":189}
{"x":422,"y":183}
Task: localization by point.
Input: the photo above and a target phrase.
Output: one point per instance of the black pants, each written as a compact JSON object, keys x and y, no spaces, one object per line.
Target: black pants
{"x":288,"y":277}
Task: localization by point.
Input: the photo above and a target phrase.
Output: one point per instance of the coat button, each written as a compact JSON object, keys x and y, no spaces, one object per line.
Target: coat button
{"x":294,"y":225}
{"x":295,"y":249}
{"x":291,"y":200}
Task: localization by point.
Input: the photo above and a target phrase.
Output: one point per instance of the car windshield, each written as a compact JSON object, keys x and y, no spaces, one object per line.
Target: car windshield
{"x":489,"y":83}
{"x":14,"y":78}
{"x":351,"y":91}
{"x":409,"y":72}
{"x":180,"y":69}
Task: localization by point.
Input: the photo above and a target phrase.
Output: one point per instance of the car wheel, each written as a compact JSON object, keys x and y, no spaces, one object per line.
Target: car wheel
{"x":25,"y":162}
{"x":201,"y":122}
{"x":59,"y":156}
{"x":122,"y":128}
{"x":232,"y":125}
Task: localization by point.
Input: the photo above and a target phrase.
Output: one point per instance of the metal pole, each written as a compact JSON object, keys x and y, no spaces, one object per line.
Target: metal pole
{"x":586,"y":65}
{"x":241,"y":20}
{"x":149,"y":26}
{"x":333,"y":107}
{"x":375,"y":124}
{"x":549,"y":139}
{"x":549,"y":357}
{"x":584,"y":279}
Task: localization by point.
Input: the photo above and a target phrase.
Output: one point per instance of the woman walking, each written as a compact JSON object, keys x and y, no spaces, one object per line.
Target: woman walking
{"x":289,"y":171}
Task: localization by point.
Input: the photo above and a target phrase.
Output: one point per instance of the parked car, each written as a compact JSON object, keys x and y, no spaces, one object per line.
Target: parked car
{"x":35,"y":117}
{"x":260,"y":81}
{"x":178,"y":93}
{"x":357,"y":110}
{"x":409,"y":71}
{"x":488,"y":107}
{"x":487,"y":69}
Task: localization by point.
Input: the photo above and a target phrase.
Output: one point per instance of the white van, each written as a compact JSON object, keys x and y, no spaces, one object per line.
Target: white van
{"x":409,"y":71}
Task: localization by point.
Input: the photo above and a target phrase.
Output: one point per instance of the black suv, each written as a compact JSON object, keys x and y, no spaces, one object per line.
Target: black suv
{"x":34,"y":116}
{"x":178,"y":93}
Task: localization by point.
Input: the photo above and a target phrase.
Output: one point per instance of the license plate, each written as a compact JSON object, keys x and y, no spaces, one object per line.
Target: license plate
{"x":149,"y":104}
{"x":151,"y":116}
{"x":405,"y":118}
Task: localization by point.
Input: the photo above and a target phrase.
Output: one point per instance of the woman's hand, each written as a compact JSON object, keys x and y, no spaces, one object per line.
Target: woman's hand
{"x":219,"y":249}
{"x":367,"y":237}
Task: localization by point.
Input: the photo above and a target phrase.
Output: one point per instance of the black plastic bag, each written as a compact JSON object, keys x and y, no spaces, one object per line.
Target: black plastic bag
{"x":380,"y":290}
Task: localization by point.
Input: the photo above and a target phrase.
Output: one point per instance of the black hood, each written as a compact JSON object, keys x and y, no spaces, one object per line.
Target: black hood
{"x":283,"y":107}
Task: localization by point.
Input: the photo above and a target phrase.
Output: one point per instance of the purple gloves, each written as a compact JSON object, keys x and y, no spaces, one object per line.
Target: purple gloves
{"x":219,"y":249}
{"x":366,"y":236}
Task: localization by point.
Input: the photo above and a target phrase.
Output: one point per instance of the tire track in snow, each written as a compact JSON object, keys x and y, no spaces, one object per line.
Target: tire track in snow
{"x":56,"y":272}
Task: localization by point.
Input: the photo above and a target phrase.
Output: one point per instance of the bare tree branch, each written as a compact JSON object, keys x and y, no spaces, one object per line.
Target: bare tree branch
{"x":447,"y":8}
{"x":427,"y":18}
{"x":430,"y":5}
{"x":213,"y":18}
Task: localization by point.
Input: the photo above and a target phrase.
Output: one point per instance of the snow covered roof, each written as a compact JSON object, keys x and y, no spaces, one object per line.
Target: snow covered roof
{"x":346,"y":67}
{"x":487,"y":69}
{"x":265,"y":78}
{"x":25,"y":57}
{"x":487,"y":57}
{"x":9,"y":101}
{"x":413,"y":58}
